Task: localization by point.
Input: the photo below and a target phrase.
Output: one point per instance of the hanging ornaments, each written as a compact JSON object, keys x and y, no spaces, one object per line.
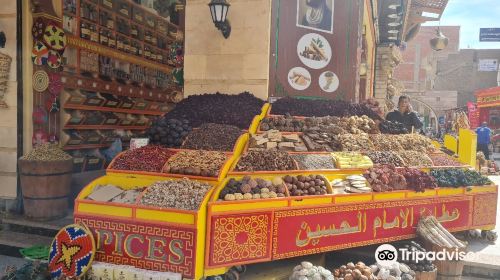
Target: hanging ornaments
{"x":38,"y":29}
{"x":54,"y":37}
{"x":55,"y":84}
{"x":40,"y":81}
{"x":39,"y":53}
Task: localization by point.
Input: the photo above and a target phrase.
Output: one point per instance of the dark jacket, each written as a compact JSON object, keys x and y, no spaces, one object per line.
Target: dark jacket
{"x":408,"y":119}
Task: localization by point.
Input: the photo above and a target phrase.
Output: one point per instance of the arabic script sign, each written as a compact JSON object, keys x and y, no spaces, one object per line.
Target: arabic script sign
{"x":309,"y":231}
{"x":489,"y":35}
{"x":147,"y":246}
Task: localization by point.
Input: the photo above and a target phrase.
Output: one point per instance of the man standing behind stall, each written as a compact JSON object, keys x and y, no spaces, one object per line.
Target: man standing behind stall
{"x":483,"y":139}
{"x":405,"y":115}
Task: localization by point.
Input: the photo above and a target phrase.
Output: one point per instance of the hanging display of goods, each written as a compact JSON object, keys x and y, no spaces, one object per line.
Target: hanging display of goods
{"x":39,"y":53}
{"x":38,"y":28}
{"x":54,"y":37}
{"x":55,"y":84}
{"x":72,"y":252}
{"x":40,"y":115}
{"x":54,"y":59}
{"x":40,"y":81}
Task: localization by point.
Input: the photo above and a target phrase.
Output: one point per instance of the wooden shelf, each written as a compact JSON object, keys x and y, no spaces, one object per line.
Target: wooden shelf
{"x":115,"y":110}
{"x":104,"y":127}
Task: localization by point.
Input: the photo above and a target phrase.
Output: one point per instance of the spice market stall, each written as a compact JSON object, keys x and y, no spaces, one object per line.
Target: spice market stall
{"x":298,"y":182}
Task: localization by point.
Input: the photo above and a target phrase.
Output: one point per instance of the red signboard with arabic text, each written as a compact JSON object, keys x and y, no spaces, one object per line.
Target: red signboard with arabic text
{"x":313,"y":230}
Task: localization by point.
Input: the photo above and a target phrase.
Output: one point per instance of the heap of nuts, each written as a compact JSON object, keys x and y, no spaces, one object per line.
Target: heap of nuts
{"x":149,"y":158}
{"x":249,"y":188}
{"x":384,"y":178}
{"x":282,"y":123}
{"x":305,"y":185}
{"x":385,"y":142}
{"x":179,"y":194}
{"x":46,"y":152}
{"x":355,"y":142}
{"x":307,"y":271}
{"x":418,"y":180}
{"x":271,"y":160}
{"x":385,"y":157}
{"x":414,"y":158}
{"x":416,"y":142}
{"x":396,"y":271}
{"x":351,"y":271}
{"x":443,"y":160}
{"x":212,"y":137}
{"x":196,"y":163}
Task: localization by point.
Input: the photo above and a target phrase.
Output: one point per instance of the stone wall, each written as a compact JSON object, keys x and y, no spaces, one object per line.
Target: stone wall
{"x":232,"y":65}
{"x":8,"y":116}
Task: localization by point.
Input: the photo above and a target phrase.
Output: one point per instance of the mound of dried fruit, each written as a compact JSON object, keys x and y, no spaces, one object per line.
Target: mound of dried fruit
{"x":149,"y":158}
{"x":345,"y":160}
{"x":253,"y":188}
{"x":213,"y":137}
{"x":415,"y":159}
{"x":314,"y":161}
{"x":307,"y":271}
{"x":46,"y":152}
{"x":385,"y":157}
{"x":444,"y":160}
{"x":454,"y":177}
{"x":417,"y":179}
{"x":271,"y":160}
{"x":306,"y":185}
{"x":385,"y":142}
{"x":355,"y":142}
{"x":168,"y":132}
{"x":351,"y":271}
{"x":196,"y":163}
{"x":384,"y":178}
{"x":282,"y":123}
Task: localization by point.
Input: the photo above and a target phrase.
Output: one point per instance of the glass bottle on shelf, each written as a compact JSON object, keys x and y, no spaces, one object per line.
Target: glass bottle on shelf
{"x":103,"y":37}
{"x":94,"y":35}
{"x":111,"y":40}
{"x":84,"y":31}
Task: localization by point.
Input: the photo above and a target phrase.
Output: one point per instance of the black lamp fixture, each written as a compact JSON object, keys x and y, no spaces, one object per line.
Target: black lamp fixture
{"x":218,"y":10}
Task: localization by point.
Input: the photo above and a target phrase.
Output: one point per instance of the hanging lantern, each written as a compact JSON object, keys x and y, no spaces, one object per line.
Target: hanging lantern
{"x":439,"y":42}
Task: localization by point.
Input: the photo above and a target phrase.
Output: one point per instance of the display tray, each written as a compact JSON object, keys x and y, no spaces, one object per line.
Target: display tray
{"x":135,"y":211}
{"x":222,"y":172}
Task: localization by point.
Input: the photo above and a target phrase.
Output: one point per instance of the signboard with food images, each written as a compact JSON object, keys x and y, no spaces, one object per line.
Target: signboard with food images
{"x":310,"y":55}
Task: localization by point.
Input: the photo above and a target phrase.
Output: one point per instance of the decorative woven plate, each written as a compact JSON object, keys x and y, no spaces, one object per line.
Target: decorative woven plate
{"x":54,"y":59}
{"x":72,"y":252}
{"x":40,"y":81}
{"x":38,"y":28}
{"x":39,"y":53}
{"x":54,"y":37}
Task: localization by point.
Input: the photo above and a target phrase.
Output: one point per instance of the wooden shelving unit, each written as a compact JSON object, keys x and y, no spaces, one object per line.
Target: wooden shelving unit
{"x":115,"y":110}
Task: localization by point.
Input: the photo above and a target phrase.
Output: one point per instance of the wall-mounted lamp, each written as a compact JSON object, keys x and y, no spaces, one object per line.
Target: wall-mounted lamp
{"x":218,"y":10}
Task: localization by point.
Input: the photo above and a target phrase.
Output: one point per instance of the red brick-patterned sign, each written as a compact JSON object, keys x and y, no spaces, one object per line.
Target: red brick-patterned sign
{"x":313,"y":230}
{"x":147,"y":246}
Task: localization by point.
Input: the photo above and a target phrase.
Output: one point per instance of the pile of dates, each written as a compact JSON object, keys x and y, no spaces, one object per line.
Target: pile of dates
{"x":249,"y":188}
{"x":269,"y":160}
{"x":168,"y":132}
{"x":389,"y":127}
{"x":285,"y":123}
{"x":384,"y":178}
{"x":385,"y":157}
{"x":149,"y":158}
{"x":306,"y":185}
{"x":351,"y":271}
{"x":418,"y":180}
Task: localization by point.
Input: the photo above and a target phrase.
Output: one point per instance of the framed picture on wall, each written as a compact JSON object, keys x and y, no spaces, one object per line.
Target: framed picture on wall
{"x":315,"y":14}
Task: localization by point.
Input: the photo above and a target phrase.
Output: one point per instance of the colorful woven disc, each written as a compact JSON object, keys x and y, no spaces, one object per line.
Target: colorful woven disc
{"x":54,"y":37}
{"x":72,"y":252}
{"x":40,"y":81}
{"x":54,"y":59}
{"x":39,"y":53}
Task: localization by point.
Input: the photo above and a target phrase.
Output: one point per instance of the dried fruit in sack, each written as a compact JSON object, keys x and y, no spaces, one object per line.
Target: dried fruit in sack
{"x":196,"y":163}
{"x":149,"y":158}
{"x":417,"y":179}
{"x":265,"y":161}
{"x":384,"y":178}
